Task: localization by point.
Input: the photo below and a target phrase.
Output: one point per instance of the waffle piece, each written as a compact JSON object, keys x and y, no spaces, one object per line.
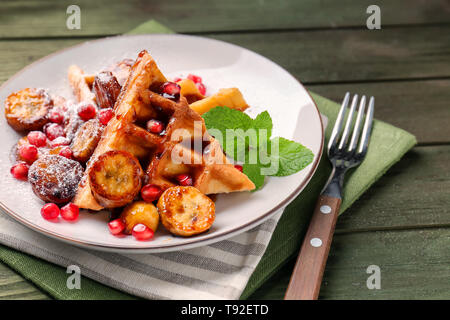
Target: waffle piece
{"x":187,"y":148}
{"x":122,"y":131}
{"x":138,"y":103}
{"x":81,"y":84}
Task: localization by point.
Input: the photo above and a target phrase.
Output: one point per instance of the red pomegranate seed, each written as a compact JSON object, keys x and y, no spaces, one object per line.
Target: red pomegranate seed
{"x":87,"y":111}
{"x":184,"y":180}
{"x":116,"y":226}
{"x":28,"y":153}
{"x":171,"y":88}
{"x":50,"y":211}
{"x":177,"y":79}
{"x":53,"y":131}
{"x":141,"y":232}
{"x":37,"y":138}
{"x":56,"y":116}
{"x":155,"y":126}
{"x":70,"y":212}
{"x":105,"y":115}
{"x":60,"y":141}
{"x":194,"y":78}
{"x":150,"y":192}
{"x":239,"y":167}
{"x":66,"y":152}
{"x":20,"y":171}
{"x":201,"y":88}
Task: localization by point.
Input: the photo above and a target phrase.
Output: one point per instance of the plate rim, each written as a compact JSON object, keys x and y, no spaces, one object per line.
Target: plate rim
{"x":191,"y":243}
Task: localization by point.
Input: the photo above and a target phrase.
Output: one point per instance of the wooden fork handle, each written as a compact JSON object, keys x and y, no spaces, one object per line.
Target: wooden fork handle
{"x":308,"y":271}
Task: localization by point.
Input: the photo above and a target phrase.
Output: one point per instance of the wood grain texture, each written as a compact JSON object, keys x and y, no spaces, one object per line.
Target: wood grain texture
{"x":328,"y":56}
{"x":419,"y":107}
{"x":313,"y":57}
{"x":414,"y":265}
{"x":414,"y":193}
{"x":307,"y":274}
{"x":13,"y":286}
{"x":109,"y":17}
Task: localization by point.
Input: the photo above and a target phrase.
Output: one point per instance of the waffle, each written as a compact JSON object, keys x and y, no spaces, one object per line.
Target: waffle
{"x":81,"y":84}
{"x":137,"y":103}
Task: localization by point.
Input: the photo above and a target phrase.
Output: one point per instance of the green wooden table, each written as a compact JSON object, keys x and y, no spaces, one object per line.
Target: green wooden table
{"x":402,"y":224}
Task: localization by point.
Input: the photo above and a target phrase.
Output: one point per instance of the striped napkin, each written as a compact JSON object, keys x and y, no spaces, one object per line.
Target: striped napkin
{"x":229,"y":269}
{"x":217,"y":271}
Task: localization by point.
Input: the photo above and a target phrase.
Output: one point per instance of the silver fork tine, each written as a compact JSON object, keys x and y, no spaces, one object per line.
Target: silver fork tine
{"x":357,"y":129}
{"x":365,"y":136}
{"x":348,"y":124}
{"x":339,"y":120}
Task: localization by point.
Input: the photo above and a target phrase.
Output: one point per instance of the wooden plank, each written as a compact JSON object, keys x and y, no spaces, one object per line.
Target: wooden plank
{"x":108,"y":17}
{"x":414,"y":193}
{"x":411,"y":105}
{"x":413,"y":263}
{"x":314,"y":57}
{"x":13,"y":286}
{"x":354,"y":55}
{"x":419,"y":107}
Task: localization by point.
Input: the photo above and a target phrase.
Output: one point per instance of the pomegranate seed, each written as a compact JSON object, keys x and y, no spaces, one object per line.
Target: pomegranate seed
{"x":177,"y":79}
{"x":155,"y":126}
{"x":28,"y":153}
{"x":201,"y":88}
{"x":150,"y":192}
{"x":56,"y":116}
{"x":141,"y":232}
{"x":60,"y":141}
{"x":66,"y":152}
{"x":87,"y":111}
{"x":53,"y":131}
{"x":37,"y":138}
{"x":70,"y":212}
{"x":105,"y":115}
{"x":184,"y":180}
{"x":194,"y":78}
{"x":239,"y":167}
{"x":50,"y":211}
{"x":20,"y":171}
{"x":116,"y":226}
{"x":171,"y":89}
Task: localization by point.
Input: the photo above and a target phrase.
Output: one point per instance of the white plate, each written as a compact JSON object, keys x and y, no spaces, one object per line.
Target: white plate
{"x":265,"y":86}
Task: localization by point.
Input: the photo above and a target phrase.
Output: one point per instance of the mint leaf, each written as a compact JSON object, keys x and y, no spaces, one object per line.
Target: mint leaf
{"x":238,"y":132}
{"x":247,"y":141}
{"x":253,"y":172}
{"x":291,"y":156}
{"x":263,"y":121}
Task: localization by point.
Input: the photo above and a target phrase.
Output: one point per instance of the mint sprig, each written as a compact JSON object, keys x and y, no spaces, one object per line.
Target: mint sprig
{"x":249,"y":141}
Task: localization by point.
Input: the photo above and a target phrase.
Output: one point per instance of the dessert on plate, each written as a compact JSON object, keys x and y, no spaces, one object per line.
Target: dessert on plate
{"x":132,"y":142}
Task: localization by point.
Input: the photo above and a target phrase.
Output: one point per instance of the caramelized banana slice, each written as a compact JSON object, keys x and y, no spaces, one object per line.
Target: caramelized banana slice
{"x":106,"y":89}
{"x":55,"y":178}
{"x":140,"y":212}
{"x":27,"y":109}
{"x":115,"y":178}
{"x":185,"y":211}
{"x":86,"y":139}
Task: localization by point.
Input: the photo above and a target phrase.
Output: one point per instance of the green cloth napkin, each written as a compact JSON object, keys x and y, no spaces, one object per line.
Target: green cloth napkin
{"x":388,"y":144}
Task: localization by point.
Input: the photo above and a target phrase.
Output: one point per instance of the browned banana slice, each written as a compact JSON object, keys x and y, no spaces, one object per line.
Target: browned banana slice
{"x":55,"y":178}
{"x":106,"y":89}
{"x":115,"y":178}
{"x":86,"y":139}
{"x":185,"y":211}
{"x":140,"y":212}
{"x":27,"y":109}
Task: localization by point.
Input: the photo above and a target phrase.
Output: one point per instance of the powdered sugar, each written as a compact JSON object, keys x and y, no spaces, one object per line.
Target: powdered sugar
{"x":55,"y":178}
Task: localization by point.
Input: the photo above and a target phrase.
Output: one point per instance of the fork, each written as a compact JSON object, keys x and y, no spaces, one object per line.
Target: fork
{"x":343,"y":154}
